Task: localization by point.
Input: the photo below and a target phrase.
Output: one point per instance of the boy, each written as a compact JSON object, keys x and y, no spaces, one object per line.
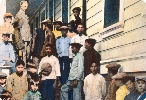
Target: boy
{"x":75,"y":76}
{"x":17,"y":82}
{"x":130,"y":85}
{"x":33,"y":93}
{"x":119,"y":81}
{"x":49,"y":69}
{"x":94,"y":84}
{"x":3,"y":77}
{"x":141,"y":87}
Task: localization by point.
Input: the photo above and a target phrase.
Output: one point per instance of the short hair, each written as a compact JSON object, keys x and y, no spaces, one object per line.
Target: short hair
{"x":81,"y":24}
{"x":20,"y":62}
{"x":49,"y":45}
{"x":6,"y":34}
{"x":23,"y":1}
{"x":48,"y":25}
{"x":91,"y":41}
{"x":129,"y":78}
{"x":96,"y":62}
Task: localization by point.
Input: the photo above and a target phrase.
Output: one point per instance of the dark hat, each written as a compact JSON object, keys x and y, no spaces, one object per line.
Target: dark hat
{"x":76,"y":8}
{"x":57,"y":22}
{"x":91,"y":41}
{"x":3,"y":75}
{"x":77,"y":45}
{"x":6,"y":34}
{"x":64,"y":26}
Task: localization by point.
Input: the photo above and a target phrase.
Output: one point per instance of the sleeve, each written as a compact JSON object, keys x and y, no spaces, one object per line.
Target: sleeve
{"x":103,"y":87}
{"x":97,"y":56}
{"x":57,"y":46}
{"x":12,"y":55}
{"x":9,"y":84}
{"x":80,"y":68}
{"x":25,"y":85}
{"x":57,"y":67}
{"x":85,"y":86}
{"x":39,"y":69}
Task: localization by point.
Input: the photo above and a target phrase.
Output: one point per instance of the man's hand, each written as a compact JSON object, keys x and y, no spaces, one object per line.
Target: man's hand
{"x":74,"y":83}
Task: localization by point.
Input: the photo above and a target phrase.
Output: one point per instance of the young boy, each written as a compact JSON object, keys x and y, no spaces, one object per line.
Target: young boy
{"x":94,"y":84}
{"x":141,"y":87}
{"x":3,"y":77}
{"x":17,"y":82}
{"x":33,"y":93}
{"x":119,"y":81}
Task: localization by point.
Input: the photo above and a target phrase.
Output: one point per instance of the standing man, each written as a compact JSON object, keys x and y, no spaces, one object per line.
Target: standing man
{"x":74,"y":23}
{"x":112,"y":88}
{"x":90,"y":55}
{"x":76,"y":75}
{"x":57,"y":31}
{"x":17,"y":82}
{"x":7,"y":56}
{"x":62,"y":46}
{"x":130,"y":84}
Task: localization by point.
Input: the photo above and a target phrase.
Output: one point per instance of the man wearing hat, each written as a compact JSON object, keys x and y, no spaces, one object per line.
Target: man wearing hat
{"x":78,"y":20}
{"x":57,"y":31}
{"x":3,"y":77}
{"x":7,"y":26}
{"x":119,"y":81}
{"x":141,"y":87}
{"x":112,"y":88}
{"x":76,"y":75}
{"x":7,"y":56}
{"x":62,"y":47}
{"x":90,"y":54}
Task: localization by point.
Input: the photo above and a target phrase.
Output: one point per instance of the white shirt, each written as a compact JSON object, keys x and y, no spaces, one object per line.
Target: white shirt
{"x":54,"y":62}
{"x":78,"y":39}
{"x":94,"y":87}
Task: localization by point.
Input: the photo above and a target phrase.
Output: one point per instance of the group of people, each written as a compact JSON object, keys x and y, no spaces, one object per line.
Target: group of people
{"x":61,"y":58}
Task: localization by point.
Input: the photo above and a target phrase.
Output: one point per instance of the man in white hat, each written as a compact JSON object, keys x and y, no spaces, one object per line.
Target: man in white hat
{"x":141,"y":87}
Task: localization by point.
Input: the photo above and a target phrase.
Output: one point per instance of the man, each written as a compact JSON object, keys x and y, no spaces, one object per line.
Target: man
{"x":130,"y":84}
{"x":119,"y":81}
{"x":62,"y":47}
{"x":50,"y":79}
{"x":90,"y":55}
{"x":3,"y":78}
{"x":7,"y":56}
{"x":57,"y":31}
{"x":78,"y":20}
{"x":141,"y":87}
{"x":7,"y":26}
{"x":112,"y":88}
{"x":94,"y":84}
{"x":17,"y":82}
{"x":76,"y":75}
{"x":80,"y":37}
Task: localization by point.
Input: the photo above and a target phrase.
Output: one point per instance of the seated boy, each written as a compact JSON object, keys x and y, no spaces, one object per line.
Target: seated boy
{"x":141,"y":87}
{"x":3,"y":77}
{"x":33,"y":93}
{"x":94,"y":84}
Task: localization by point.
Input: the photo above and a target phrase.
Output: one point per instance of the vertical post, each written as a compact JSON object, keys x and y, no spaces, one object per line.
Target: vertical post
{"x":65,"y":11}
{"x":84,"y":13}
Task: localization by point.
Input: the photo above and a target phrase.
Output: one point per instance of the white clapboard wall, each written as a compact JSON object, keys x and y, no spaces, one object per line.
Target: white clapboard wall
{"x":123,"y":42}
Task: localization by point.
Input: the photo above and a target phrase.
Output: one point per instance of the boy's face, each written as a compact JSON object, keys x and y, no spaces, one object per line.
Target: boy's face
{"x":118,"y":82}
{"x":141,"y":86}
{"x":34,"y":86}
{"x":48,"y":50}
{"x":74,"y":49}
{"x":24,"y":6}
{"x":94,"y":68}
{"x":19,"y":69}
{"x":64,"y":31}
{"x":2,"y":80}
{"x":130,"y":85}
{"x":87,"y":45}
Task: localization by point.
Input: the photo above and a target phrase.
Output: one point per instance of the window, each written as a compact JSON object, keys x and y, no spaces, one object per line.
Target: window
{"x":111,"y":12}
